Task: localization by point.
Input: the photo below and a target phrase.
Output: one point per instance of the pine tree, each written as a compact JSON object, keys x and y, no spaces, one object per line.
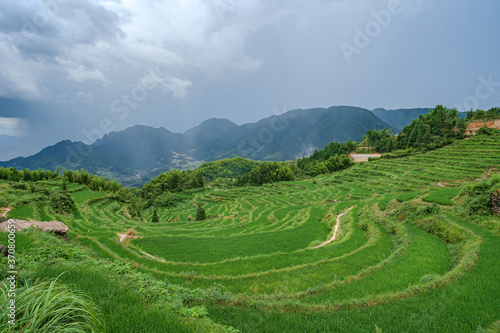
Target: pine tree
{"x":155,"y":217}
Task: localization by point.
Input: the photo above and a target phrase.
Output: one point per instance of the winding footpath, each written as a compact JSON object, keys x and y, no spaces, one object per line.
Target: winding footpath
{"x":125,"y":236}
{"x":335,"y":229}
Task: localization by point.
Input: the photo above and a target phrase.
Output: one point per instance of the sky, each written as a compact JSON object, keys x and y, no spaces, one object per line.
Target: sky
{"x":78,"y":69}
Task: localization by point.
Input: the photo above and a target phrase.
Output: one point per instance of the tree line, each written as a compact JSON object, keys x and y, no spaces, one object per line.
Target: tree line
{"x":93,"y":182}
{"x":493,"y":113}
{"x":15,"y":175}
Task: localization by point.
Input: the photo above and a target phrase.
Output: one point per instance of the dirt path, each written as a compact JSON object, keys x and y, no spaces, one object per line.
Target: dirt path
{"x":486,"y":174}
{"x":6,"y":211}
{"x":151,"y":256}
{"x":125,"y":236}
{"x":335,"y":229}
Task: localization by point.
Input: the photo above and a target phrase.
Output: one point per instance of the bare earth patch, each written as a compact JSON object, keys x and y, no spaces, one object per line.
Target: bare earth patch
{"x":6,"y":211}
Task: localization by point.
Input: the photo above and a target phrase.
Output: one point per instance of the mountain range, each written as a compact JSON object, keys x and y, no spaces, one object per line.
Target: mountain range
{"x":138,"y":153}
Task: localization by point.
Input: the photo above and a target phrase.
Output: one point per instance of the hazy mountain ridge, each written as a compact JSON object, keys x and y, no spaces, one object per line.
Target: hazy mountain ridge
{"x":141,"y":152}
{"x":399,"y":118}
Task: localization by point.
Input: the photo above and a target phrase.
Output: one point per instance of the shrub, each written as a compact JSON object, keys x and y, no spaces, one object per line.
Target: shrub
{"x":428,"y":210}
{"x":487,"y":131}
{"x":478,"y":196}
{"x":155,"y":217}
{"x":200,"y":213}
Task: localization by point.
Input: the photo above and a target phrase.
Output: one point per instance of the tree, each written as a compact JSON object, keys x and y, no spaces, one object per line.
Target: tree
{"x":200,"y":213}
{"x":14,"y":174}
{"x":155,"y":217}
{"x":26,"y":174}
{"x":4,"y":174}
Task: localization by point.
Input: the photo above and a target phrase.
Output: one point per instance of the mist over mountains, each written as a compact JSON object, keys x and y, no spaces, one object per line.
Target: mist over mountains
{"x":139,"y":153}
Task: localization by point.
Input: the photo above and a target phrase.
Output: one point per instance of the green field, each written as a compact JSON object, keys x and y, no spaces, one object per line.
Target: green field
{"x":407,"y":257}
{"x":443,"y":196}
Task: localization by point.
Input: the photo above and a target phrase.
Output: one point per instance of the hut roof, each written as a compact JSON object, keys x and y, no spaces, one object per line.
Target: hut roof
{"x":54,"y":226}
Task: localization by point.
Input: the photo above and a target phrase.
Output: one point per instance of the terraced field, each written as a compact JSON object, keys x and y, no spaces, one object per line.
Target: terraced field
{"x":397,"y":264}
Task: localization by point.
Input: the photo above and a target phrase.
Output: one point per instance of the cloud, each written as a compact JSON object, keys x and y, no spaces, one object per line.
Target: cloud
{"x":82,"y":74}
{"x":85,"y":96}
{"x":45,"y":44}
{"x":13,"y":126}
{"x":176,"y":86}
{"x":19,"y":77}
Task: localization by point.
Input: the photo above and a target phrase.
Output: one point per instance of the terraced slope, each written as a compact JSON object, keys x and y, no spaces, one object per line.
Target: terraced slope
{"x":403,"y":258}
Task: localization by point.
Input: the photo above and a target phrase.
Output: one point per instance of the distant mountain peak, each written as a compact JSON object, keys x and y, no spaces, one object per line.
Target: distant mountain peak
{"x":210,"y":125}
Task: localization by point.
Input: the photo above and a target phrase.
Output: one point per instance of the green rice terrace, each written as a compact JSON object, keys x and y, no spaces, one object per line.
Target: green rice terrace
{"x":417,"y":250}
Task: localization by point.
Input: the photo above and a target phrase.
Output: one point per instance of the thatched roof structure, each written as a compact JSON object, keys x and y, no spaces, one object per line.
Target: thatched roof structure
{"x":54,"y":226}
{"x":363,"y":157}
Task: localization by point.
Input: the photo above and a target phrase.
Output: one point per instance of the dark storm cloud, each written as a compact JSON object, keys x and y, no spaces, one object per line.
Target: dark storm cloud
{"x":176,"y":63}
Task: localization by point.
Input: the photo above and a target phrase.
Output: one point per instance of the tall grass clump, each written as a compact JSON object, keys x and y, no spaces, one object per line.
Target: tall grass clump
{"x":47,"y":307}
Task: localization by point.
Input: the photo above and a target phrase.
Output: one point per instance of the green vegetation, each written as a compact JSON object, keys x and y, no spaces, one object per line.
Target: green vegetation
{"x":380,"y":141}
{"x":85,"y":195}
{"x":443,"y":196}
{"x":332,"y":150}
{"x":200,"y":213}
{"x":15,"y":175}
{"x":21,"y":212}
{"x":93,"y":182}
{"x":382,"y":204}
{"x":227,"y":258}
{"x":155,"y":217}
{"x":269,"y":172}
{"x":162,"y":190}
{"x":402,"y":197}
{"x":435,"y":129}
{"x":493,"y":113}
{"x":227,"y":168}
{"x":478,"y":196}
{"x":48,"y":307}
